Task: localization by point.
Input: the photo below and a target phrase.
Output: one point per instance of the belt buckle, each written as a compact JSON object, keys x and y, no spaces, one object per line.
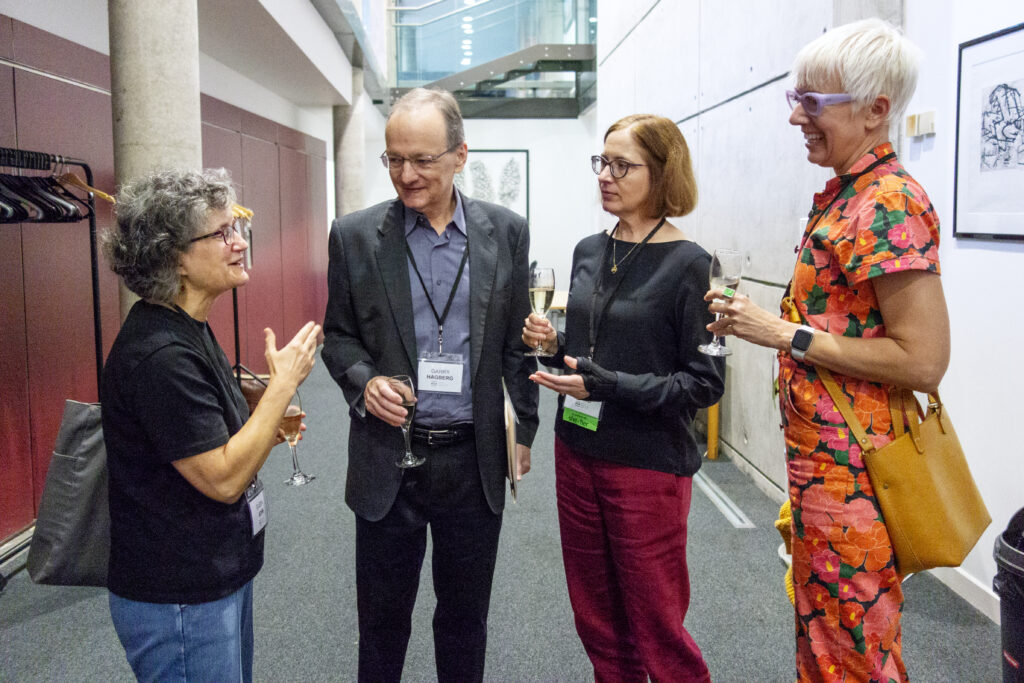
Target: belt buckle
{"x":430,"y":437}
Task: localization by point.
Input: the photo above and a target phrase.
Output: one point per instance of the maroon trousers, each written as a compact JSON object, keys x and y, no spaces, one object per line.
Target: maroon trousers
{"x":624,"y":548}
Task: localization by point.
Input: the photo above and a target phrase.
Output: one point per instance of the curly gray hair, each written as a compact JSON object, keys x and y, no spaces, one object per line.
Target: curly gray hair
{"x":157,"y":216}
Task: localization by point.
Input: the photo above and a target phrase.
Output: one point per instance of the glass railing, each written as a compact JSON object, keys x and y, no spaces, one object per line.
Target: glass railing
{"x":435,"y":39}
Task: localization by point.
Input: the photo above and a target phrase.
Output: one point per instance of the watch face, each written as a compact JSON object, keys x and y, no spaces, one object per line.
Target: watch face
{"x":802,"y":339}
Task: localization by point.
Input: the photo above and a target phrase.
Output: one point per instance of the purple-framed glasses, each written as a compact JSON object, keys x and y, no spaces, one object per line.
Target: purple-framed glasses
{"x":814,"y":102}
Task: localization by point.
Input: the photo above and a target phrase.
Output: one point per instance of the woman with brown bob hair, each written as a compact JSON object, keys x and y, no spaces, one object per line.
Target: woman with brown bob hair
{"x":624,"y":456}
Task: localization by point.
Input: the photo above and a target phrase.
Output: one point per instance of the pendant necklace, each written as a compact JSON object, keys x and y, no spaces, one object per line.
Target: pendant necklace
{"x":615,"y":264}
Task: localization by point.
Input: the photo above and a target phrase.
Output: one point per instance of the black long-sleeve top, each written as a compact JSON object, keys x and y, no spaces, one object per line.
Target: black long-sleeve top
{"x":649,"y":318}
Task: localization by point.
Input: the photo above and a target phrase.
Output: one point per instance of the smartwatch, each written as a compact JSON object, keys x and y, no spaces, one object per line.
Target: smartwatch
{"x":802,"y":339}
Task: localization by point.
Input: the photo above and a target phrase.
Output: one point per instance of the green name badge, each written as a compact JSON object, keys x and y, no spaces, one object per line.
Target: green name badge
{"x":584,"y":414}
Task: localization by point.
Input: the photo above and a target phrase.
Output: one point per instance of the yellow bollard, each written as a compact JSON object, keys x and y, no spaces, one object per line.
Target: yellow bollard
{"x":712,"y":452}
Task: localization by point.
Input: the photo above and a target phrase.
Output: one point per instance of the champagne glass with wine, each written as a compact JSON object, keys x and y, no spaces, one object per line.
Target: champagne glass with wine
{"x":291,"y":424}
{"x":542,"y":293}
{"x":403,"y":386}
{"x":726,"y":269}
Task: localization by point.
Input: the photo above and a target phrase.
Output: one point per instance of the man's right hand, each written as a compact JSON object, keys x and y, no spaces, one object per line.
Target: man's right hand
{"x":384,"y":402}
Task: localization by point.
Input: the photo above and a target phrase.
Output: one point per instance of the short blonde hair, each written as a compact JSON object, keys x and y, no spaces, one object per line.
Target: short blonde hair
{"x":866,"y":59}
{"x":673,"y":185}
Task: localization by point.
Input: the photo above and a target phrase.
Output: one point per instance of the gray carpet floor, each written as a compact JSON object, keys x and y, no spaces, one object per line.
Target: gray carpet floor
{"x":305,"y":596}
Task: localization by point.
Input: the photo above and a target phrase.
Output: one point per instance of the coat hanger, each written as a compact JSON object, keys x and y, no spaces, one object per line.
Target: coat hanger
{"x":69,"y":178}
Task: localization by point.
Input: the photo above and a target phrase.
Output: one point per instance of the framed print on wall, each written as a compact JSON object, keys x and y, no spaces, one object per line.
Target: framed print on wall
{"x":988,"y":198}
{"x":500,"y":176}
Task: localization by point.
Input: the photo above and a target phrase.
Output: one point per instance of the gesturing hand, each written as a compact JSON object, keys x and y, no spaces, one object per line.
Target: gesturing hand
{"x":295,"y":360}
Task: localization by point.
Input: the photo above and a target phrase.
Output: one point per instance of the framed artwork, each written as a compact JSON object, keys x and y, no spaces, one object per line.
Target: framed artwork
{"x":988,"y":201}
{"x":500,"y":176}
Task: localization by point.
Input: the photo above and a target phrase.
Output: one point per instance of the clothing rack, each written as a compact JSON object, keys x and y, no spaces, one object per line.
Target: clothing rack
{"x":41,"y":161}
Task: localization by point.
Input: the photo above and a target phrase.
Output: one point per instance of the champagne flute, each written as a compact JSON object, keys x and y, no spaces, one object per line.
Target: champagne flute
{"x":402,"y":385}
{"x":726,"y":268}
{"x":291,"y":424}
{"x":542,"y":293}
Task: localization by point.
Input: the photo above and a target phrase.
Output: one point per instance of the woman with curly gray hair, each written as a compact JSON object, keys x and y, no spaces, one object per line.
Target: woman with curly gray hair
{"x":182,"y":448}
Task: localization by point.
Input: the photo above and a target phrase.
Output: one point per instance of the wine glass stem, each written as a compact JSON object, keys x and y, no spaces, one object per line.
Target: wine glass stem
{"x":408,"y":445}
{"x":295,"y":457}
{"x":714,"y":337}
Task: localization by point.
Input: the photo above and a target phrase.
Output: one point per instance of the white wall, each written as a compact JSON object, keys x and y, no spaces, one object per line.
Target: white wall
{"x":980,"y":386}
{"x":563,"y":196}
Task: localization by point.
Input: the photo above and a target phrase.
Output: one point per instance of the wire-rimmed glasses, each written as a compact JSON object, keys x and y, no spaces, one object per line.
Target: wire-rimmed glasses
{"x":619,"y":167}
{"x":394,"y":162}
{"x":228,"y":234}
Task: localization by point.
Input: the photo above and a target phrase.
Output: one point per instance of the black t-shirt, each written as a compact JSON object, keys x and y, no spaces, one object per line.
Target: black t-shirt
{"x":649,"y":318}
{"x":168,"y":394}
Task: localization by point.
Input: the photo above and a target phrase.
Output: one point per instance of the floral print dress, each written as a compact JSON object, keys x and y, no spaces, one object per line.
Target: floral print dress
{"x":875,"y":221}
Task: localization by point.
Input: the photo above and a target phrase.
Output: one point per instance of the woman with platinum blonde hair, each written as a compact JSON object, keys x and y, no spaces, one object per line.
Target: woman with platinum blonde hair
{"x":186,"y":505}
{"x":865,"y":303}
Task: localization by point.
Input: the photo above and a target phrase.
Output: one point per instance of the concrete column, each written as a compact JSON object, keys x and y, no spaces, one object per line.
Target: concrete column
{"x":350,"y":150}
{"x":154,"y":73}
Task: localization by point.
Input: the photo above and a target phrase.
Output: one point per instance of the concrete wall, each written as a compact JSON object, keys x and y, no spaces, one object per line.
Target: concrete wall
{"x":711,"y":66}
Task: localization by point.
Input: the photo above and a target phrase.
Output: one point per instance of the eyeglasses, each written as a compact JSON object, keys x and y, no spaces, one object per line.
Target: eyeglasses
{"x":226,"y":234}
{"x":393,"y":162}
{"x":814,"y":102}
{"x":619,"y":167}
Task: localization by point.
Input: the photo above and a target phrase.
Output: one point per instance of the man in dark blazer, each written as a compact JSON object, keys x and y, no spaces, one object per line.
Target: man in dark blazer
{"x":432,"y":285}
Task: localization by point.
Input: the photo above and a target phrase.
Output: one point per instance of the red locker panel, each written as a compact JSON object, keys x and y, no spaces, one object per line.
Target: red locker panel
{"x":51,"y":54}
{"x":16,"y":504}
{"x":6,"y":37}
{"x":316,"y":175}
{"x":264,"y":303}
{"x":295,"y":281}
{"x":57,"y":117}
{"x":222,"y":148}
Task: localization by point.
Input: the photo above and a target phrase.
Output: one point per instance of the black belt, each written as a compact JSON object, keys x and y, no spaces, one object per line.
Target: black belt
{"x":442,"y":436}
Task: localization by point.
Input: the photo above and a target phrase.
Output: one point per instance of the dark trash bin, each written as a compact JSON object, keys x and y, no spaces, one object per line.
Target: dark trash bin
{"x":1009,"y":585}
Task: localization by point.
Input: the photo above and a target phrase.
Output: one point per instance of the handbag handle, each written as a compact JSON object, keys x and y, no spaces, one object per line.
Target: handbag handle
{"x":898,"y":399}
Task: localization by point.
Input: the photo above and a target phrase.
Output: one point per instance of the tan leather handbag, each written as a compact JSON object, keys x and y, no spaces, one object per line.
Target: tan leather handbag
{"x":932,"y":508}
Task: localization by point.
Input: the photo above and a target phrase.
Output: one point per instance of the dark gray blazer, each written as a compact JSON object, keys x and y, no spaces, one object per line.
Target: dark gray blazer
{"x":369,"y":331}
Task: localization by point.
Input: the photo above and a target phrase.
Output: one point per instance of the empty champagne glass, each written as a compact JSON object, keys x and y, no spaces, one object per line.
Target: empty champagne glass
{"x":291,"y":423}
{"x":726,"y":269}
{"x":403,"y":386}
{"x":542,"y":293}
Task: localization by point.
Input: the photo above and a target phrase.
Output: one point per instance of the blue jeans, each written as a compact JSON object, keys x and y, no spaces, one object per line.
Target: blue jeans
{"x":209,"y":641}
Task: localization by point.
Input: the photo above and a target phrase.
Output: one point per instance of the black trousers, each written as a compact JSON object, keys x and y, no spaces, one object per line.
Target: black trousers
{"x":445,"y":494}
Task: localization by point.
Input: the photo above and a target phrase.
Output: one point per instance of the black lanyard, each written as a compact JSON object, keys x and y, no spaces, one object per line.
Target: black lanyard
{"x":451,"y":297}
{"x":599,"y":288}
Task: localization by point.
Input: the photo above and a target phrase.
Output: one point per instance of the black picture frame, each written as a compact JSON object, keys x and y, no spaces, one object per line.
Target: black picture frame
{"x":988,"y":179}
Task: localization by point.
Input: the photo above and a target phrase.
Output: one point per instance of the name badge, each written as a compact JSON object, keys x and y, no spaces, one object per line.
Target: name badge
{"x":440,"y":373}
{"x":582,"y":413}
{"x":257,"y":506}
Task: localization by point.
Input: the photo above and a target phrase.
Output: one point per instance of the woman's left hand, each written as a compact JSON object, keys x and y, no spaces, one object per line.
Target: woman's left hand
{"x":742,"y":318}
{"x":567,"y":385}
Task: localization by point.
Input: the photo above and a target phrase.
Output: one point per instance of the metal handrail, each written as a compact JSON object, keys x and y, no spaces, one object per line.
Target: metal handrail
{"x":437,"y":18}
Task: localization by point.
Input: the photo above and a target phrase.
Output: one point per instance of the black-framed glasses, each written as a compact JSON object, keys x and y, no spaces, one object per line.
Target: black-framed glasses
{"x":226,"y":234}
{"x":815,"y":102}
{"x":393,"y":162}
{"x":619,"y":167}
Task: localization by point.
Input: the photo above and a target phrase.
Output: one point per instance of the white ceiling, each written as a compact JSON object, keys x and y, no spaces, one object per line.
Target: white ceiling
{"x":244,"y":36}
